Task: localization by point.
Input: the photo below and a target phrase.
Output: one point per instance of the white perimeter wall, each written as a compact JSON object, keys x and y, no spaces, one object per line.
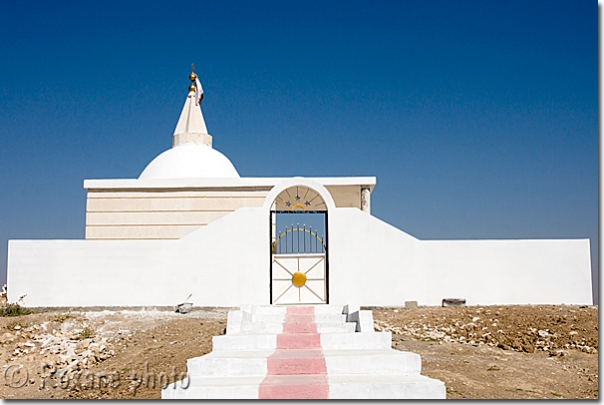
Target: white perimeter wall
{"x":506,"y":271}
{"x":223,"y":264}
{"x":227,"y":264}
{"x":376,"y":264}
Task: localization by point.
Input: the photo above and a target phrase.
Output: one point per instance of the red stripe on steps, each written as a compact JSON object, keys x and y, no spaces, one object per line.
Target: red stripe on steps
{"x":306,"y":327}
{"x":298,"y":387}
{"x":292,"y":362}
{"x":299,"y":341}
{"x":297,"y":369}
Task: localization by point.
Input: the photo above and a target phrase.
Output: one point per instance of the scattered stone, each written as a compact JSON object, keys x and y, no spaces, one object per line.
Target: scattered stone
{"x":549,"y":338}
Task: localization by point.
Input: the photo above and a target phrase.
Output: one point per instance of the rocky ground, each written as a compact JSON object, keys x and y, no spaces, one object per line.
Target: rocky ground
{"x":479,"y":352}
{"x":501,"y":351}
{"x":101,"y":354}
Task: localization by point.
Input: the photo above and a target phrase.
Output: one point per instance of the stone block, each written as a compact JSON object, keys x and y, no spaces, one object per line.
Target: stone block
{"x":454,"y":302}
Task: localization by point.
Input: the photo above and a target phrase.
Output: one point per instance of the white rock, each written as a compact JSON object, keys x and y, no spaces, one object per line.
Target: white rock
{"x":47,"y":341}
{"x":69,"y":353}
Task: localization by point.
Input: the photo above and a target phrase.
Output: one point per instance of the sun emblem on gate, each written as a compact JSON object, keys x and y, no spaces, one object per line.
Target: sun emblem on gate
{"x":299,"y":279}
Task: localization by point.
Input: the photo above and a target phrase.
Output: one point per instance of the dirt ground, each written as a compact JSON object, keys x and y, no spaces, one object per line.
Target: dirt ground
{"x":479,"y":352}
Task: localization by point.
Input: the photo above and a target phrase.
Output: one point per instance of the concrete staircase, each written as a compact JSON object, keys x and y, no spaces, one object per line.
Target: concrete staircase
{"x":304,"y":352}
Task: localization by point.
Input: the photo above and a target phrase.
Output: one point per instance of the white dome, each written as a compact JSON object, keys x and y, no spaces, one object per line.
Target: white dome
{"x":190,"y":160}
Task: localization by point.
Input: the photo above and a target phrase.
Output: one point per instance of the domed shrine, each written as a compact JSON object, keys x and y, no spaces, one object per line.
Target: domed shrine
{"x":192,"y":155}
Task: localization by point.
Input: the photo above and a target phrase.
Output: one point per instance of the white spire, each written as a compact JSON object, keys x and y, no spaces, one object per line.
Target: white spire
{"x":191,"y":127}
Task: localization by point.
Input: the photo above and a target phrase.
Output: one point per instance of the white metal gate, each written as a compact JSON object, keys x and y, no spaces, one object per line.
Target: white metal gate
{"x":299,"y":279}
{"x":299,"y":265}
{"x":299,"y":271}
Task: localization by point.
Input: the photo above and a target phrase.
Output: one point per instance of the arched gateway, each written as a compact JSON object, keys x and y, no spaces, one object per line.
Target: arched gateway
{"x":299,"y":270}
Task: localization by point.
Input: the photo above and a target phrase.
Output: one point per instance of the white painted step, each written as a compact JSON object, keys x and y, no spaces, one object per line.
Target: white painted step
{"x":340,"y":387}
{"x":277,"y":327}
{"x":244,"y":342}
{"x":230,"y":363}
{"x":372,"y":362}
{"x":329,"y":341}
{"x":275,"y":309}
{"x":357,"y":340}
{"x":321,"y":318}
{"x":341,"y":362}
{"x":215,"y":388}
{"x":385,"y":387}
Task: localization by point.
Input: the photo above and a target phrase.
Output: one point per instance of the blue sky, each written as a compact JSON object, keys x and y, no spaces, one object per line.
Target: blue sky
{"x":478,"y":118}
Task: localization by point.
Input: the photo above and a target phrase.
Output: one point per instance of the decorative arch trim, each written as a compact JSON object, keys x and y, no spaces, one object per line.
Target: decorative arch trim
{"x":298,"y":181}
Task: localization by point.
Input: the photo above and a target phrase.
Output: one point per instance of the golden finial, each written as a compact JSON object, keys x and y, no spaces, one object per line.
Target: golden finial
{"x":192,"y":76}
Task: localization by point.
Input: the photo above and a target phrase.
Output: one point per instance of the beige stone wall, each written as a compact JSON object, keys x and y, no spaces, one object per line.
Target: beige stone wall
{"x":346,"y":196}
{"x":161,"y":214}
{"x":170,"y":214}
